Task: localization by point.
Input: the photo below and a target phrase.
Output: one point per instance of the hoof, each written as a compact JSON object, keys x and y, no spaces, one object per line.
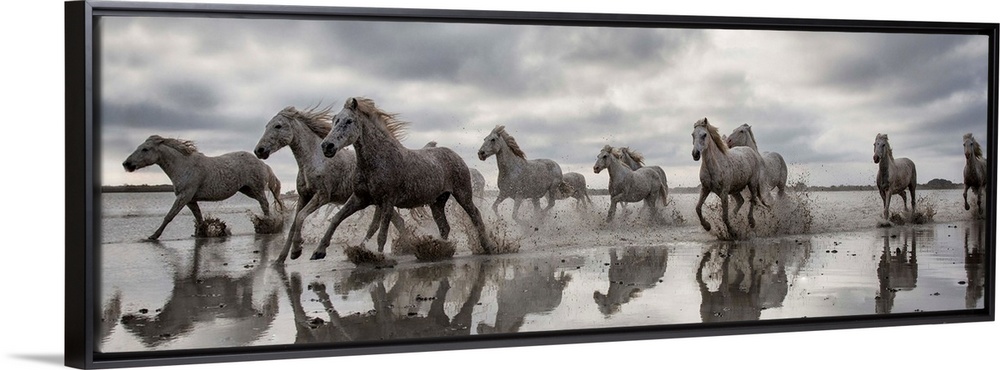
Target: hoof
{"x":707,"y":227}
{"x":296,"y":254}
{"x":966,"y":207}
{"x":318,"y":256}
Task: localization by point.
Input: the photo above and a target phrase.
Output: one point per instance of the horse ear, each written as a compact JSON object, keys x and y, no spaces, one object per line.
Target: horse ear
{"x":353,"y":104}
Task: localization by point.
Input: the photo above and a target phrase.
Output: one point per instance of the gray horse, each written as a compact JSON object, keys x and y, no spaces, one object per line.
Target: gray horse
{"x":478,"y":180}
{"x":197,"y":177}
{"x":626,"y":185}
{"x":975,"y":172}
{"x":634,"y":160}
{"x":725,"y":171}
{"x":391,"y":175}
{"x":895,"y":176}
{"x":775,"y":173}
{"x":519,"y":177}
{"x":320,"y":180}
{"x":575,"y":187}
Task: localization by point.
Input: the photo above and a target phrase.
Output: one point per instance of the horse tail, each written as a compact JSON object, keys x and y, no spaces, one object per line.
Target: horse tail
{"x":275,"y":185}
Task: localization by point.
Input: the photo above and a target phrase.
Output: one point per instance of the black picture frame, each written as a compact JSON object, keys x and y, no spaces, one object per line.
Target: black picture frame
{"x":83,"y":187}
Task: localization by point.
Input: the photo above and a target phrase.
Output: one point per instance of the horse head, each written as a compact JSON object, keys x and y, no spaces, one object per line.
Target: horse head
{"x":703,"y":136}
{"x":277,"y":133}
{"x":604,"y":158}
{"x":492,"y":143}
{"x":741,"y":136}
{"x":146,"y":154}
{"x":346,"y":128}
{"x":881,"y":147}
{"x":972,"y":148}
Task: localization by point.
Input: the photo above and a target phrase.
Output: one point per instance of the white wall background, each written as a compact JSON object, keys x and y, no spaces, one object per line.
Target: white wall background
{"x":31,"y":312}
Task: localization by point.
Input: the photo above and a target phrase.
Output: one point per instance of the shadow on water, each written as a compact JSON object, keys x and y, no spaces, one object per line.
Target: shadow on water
{"x":638,"y":269}
{"x":225,"y":299}
{"x":739,"y":280}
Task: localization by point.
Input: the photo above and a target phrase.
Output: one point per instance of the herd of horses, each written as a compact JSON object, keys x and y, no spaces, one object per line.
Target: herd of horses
{"x":381,"y":172}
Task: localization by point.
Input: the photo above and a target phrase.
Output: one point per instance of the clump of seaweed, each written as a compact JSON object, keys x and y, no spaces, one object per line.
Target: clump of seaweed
{"x":361,"y":256}
{"x":211,"y":227}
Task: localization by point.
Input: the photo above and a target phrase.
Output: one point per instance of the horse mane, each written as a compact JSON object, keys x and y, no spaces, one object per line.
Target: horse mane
{"x":316,"y":119}
{"x":636,"y":156}
{"x":511,"y":143}
{"x":977,"y":151}
{"x":186,"y":147}
{"x":392,"y":124}
{"x":714,"y":132}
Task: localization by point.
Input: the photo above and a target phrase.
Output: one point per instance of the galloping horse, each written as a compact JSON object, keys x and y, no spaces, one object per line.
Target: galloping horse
{"x":725,"y":171}
{"x":775,"y":173}
{"x":391,"y":175}
{"x":519,"y":177}
{"x":320,"y":180}
{"x":634,"y":160}
{"x":576,"y":187}
{"x":975,"y":172}
{"x":894,"y":176}
{"x":626,"y":185}
{"x":197,"y":177}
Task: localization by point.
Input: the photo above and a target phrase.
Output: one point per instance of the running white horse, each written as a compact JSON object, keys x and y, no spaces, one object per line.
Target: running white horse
{"x":775,"y":173}
{"x":320,"y":180}
{"x":634,"y":160}
{"x":520,"y":178}
{"x":197,"y":177}
{"x":391,"y":175}
{"x":895,"y":176}
{"x":626,"y":185}
{"x":975,"y":172}
{"x":725,"y":171}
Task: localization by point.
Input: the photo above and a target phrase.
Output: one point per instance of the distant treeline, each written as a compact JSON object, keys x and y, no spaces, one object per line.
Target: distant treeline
{"x":936,"y":184}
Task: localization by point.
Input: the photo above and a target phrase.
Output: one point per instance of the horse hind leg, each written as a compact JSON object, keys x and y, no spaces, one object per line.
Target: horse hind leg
{"x":437,"y":210}
{"x":465,"y":201}
{"x":260,"y":196}
{"x":383,"y":231}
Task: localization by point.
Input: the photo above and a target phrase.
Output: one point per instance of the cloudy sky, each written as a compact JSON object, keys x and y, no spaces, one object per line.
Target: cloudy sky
{"x":817,"y":98}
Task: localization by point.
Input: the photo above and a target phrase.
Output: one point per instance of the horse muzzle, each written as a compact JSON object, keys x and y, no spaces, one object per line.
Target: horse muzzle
{"x":597,"y":169}
{"x":129,"y":167}
{"x":875,"y":158}
{"x":262,"y":152}
{"x":696,"y":155}
{"x":482,"y":155}
{"x":329,"y":150}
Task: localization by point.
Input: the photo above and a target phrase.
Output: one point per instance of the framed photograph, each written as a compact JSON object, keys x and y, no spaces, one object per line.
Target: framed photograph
{"x":249,"y":182}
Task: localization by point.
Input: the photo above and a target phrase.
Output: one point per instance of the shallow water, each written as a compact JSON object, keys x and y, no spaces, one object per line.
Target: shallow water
{"x":573,"y":272}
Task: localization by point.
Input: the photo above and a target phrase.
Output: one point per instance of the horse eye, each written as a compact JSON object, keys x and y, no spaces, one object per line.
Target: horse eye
{"x":493,"y":139}
{"x":145,"y":149}
{"x":349,"y":121}
{"x":277,"y":127}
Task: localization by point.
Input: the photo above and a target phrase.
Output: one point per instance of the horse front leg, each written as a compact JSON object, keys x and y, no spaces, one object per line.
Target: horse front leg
{"x":196,"y":211}
{"x":725,"y":215}
{"x":293,"y":241}
{"x":611,"y":210}
{"x":539,"y":212}
{"x":496,"y":203}
{"x":979,"y":200}
{"x":376,"y":222}
{"x":517,"y":206}
{"x":885,"y":204}
{"x":353,"y":205}
{"x":965,"y":197}
{"x":383,"y":230}
{"x":179,"y":202}
{"x":697,"y":209}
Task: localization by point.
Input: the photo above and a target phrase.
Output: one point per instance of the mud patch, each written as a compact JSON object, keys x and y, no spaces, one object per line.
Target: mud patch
{"x":211,"y":227}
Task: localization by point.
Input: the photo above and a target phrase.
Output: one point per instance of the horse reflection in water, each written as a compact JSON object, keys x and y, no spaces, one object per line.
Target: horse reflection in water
{"x":975,"y":272}
{"x":414,"y":303}
{"x":739,"y":280}
{"x":230,"y":304}
{"x":897,"y":269}
{"x":395,"y":312}
{"x":637,"y":270}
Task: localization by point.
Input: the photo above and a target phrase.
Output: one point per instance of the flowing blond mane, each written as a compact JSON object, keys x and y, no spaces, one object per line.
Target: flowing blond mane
{"x":315,"y":118}
{"x":186,"y":147}
{"x":977,"y":150}
{"x":511,"y":143}
{"x":395,"y":126}
{"x":714,"y":133}
{"x":636,"y":156}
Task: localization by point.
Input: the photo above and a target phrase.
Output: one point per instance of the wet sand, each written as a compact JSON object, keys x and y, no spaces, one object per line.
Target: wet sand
{"x":573,"y":272}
